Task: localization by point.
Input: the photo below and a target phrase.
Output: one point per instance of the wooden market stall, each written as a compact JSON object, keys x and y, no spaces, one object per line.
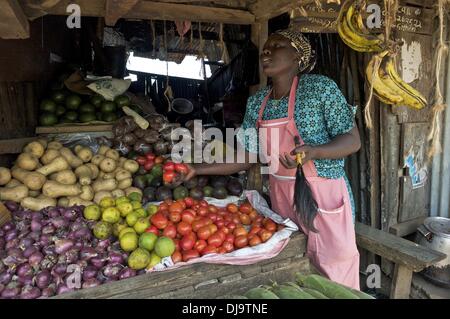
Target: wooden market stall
{"x":385,"y":198}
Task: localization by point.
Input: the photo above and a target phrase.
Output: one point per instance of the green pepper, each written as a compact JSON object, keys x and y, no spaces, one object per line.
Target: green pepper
{"x":157,"y":170}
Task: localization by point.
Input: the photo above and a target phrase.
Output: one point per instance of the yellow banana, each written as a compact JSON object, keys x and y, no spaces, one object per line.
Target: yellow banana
{"x":344,"y":35}
{"x":411,"y":97}
{"x":386,"y":94}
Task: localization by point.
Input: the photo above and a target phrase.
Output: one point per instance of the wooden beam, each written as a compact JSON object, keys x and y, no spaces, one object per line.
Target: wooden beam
{"x":13,"y":22}
{"x":15,"y":145}
{"x":406,"y":228}
{"x":401,"y":282}
{"x":162,"y":11}
{"x":269,"y":8}
{"x":115,"y":9}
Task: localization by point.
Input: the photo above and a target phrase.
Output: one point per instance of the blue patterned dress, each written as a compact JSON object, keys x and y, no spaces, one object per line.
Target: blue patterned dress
{"x":321,"y":113}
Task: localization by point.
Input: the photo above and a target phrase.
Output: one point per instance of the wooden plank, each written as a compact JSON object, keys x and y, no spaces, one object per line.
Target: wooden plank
{"x":162,"y":11}
{"x":268,"y":8}
{"x":401,"y":282}
{"x":406,"y":228}
{"x":13,"y":22}
{"x":5,"y":214}
{"x":14,"y":146}
{"x":73,"y":129}
{"x":156,"y":283}
{"x":115,"y":9}
{"x":396,"y":249}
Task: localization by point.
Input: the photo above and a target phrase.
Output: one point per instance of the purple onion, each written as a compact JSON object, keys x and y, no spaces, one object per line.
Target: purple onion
{"x":49,"y":250}
{"x":87,"y":253}
{"x":78,"y":245}
{"x":2,"y":243}
{"x":70,"y":256}
{"x":11,"y":291}
{"x":70,"y":214}
{"x":8,"y":226}
{"x":43,"y":279}
{"x":97,"y":262}
{"x":35,"y":235}
{"x":115,"y":257}
{"x":1,"y":288}
{"x":11,"y":234}
{"x":24,"y":243}
{"x":48,"y":229}
{"x":48,"y":262}
{"x":49,"y":291}
{"x":53,"y":213}
{"x":36,"y":225}
{"x":62,"y":288}
{"x":37,"y":216}
{"x":127,"y":273}
{"x":141,"y":272}
{"x":77,"y":225}
{"x":90,"y":283}
{"x":19,"y":215}
{"x":59,"y":269}
{"x":12,"y":244}
{"x":103,"y":244}
{"x":24,"y":270}
{"x":23,"y":227}
{"x":29,"y":292}
{"x":83,"y":233}
{"x":45,"y":240}
{"x":30,"y":251}
{"x":63,"y":245}
{"x":2,"y":233}
{"x":12,"y":206}
{"x":89,"y":272}
{"x":5,"y":278}
{"x":112,"y":270}
{"x":25,"y":280}
{"x":59,"y":222}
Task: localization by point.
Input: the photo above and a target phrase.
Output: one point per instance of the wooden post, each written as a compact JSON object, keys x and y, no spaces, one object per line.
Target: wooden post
{"x":14,"y":24}
{"x":116,"y":9}
{"x":401,"y":282}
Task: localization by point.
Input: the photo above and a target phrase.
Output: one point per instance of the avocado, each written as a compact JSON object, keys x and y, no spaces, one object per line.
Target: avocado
{"x":60,"y":110}
{"x":71,"y":115}
{"x":48,"y":105}
{"x":196,"y":193}
{"x":87,"y":108}
{"x":109,"y":117}
{"x":140,"y":181}
{"x":73,"y":102}
{"x":58,"y":96}
{"x":180,"y":192}
{"x":234,"y":187}
{"x":208,"y":191}
{"x":220,"y":192}
{"x":193,"y":182}
{"x":149,"y":194}
{"x":108,"y":106}
{"x":122,"y":100}
{"x":132,"y":155}
{"x":219,"y":181}
{"x":156,"y":181}
{"x":202,"y":181}
{"x":163,"y":193}
{"x":97,"y":100}
{"x":48,"y":119}
{"x":87,"y":117}
{"x":157,"y":170}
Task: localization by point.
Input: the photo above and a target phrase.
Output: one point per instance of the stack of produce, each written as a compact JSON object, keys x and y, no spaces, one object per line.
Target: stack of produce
{"x":125,"y":219}
{"x":52,"y":251}
{"x":66,"y":107}
{"x":198,"y":228}
{"x":48,"y":174}
{"x":306,"y":287}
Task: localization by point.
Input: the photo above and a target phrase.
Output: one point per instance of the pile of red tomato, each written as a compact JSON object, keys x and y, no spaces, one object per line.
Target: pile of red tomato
{"x":198,"y":228}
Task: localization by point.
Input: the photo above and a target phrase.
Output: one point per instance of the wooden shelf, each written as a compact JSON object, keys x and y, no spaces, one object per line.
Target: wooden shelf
{"x":73,"y":129}
{"x":15,"y":145}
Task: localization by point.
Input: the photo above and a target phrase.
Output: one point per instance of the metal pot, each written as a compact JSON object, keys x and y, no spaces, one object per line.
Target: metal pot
{"x":435,"y":234}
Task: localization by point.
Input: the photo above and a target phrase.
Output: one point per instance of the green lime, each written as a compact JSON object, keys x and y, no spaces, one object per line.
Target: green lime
{"x":87,"y":108}
{"x":48,"y":105}
{"x":58,"y":96}
{"x":135,"y":196}
{"x":109,"y":117}
{"x":157,"y":170}
{"x":92,"y":212}
{"x":48,"y":119}
{"x":87,"y":117}
{"x":126,"y":230}
{"x":73,"y":102}
{"x":60,"y":110}
{"x":108,"y":107}
{"x":71,"y":115}
{"x":147,"y":241}
{"x":122,"y":100}
{"x":141,"y":212}
{"x":139,"y":259}
{"x":97,"y":100}
{"x":102,"y":230}
{"x":141,"y":225}
{"x":132,"y":218}
{"x":129,"y":241}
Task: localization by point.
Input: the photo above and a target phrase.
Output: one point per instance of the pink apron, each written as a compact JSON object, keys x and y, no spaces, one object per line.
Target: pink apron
{"x":333,"y":249}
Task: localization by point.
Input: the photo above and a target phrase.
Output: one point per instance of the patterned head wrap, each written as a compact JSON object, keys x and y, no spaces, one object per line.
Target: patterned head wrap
{"x":303,"y":47}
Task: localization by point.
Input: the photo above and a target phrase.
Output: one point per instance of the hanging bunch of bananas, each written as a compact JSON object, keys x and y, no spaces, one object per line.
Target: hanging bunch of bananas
{"x":388,"y":86}
{"x":353,"y":32}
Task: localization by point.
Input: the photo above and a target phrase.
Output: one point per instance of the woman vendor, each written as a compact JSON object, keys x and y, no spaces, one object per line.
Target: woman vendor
{"x":311,"y":110}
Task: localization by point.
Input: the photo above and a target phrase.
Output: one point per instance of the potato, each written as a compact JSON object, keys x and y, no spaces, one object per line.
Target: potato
{"x":84,"y":174}
{"x":34,"y":194}
{"x":103,"y":149}
{"x":131,"y":166}
{"x":54,"y":145}
{"x":37,"y":204}
{"x":75,"y":200}
{"x":74,"y":161}
{"x":109,"y":175}
{"x":66,"y":177}
{"x":94,"y":169}
{"x":33,"y":180}
{"x":97,"y":159}
{"x":49,"y":156}
{"x":58,"y":164}
{"x":16,"y":194}
{"x":130,"y":190}
{"x":13,"y":183}
{"x":84,"y":153}
{"x":108,"y":165}
{"x":87,"y":193}
{"x":54,"y":189}
{"x":121,"y":161}
{"x":122,"y":174}
{"x":27,"y":161}
{"x":100,"y":195}
{"x":104,"y":185}
{"x":125,"y":183}
{"x":35,"y":148}
{"x":43,"y":142}
{"x":113,"y":154}
{"x":63,"y":201}
{"x":118,"y":193}
{"x":5,"y":176}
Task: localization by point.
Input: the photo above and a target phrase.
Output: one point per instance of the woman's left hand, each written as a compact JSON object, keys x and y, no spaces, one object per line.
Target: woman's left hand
{"x":309,"y":152}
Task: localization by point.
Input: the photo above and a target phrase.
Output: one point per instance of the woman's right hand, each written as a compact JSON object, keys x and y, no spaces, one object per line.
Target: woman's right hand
{"x":191,"y":172}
